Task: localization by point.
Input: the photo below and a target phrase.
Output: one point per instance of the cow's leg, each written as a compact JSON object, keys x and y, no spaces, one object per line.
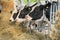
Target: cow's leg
{"x":49,"y":25}
{"x":45,"y":19}
{"x":34,"y":25}
{"x":40,"y":24}
{"x":29,"y":26}
{"x":23,"y":23}
{"x":30,"y":30}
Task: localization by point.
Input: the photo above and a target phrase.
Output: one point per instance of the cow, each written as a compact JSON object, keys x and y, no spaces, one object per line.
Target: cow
{"x":34,"y":15}
{"x":21,"y":11}
{"x":22,"y":14}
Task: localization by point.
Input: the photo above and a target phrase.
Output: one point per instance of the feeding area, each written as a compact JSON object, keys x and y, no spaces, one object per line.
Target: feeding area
{"x":29,"y":19}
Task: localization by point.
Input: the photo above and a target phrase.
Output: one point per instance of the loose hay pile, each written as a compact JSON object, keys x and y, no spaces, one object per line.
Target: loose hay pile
{"x":10,"y":31}
{"x":55,"y":31}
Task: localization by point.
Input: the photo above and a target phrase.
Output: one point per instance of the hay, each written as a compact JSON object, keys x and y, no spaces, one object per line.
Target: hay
{"x":55,"y":32}
{"x":10,"y":31}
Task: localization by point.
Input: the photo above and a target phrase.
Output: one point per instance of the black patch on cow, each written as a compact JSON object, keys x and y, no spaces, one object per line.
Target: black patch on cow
{"x":47,"y":10}
{"x":37,"y":12}
{"x":25,"y":11}
{"x":15,"y":15}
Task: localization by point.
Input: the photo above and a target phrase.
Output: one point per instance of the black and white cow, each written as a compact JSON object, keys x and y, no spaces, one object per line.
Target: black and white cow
{"x":35,"y":15}
{"x":24,"y":10}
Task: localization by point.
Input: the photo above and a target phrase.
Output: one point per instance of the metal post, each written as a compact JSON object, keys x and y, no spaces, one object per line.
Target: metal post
{"x":54,"y":11}
{"x":51,"y":13}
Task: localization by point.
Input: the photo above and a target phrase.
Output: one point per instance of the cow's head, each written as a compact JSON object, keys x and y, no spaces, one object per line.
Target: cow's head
{"x":14,"y":15}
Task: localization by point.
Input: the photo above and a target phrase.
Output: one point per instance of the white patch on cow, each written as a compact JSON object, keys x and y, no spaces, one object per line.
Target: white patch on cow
{"x":19,"y":20}
{"x":28,"y":18}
